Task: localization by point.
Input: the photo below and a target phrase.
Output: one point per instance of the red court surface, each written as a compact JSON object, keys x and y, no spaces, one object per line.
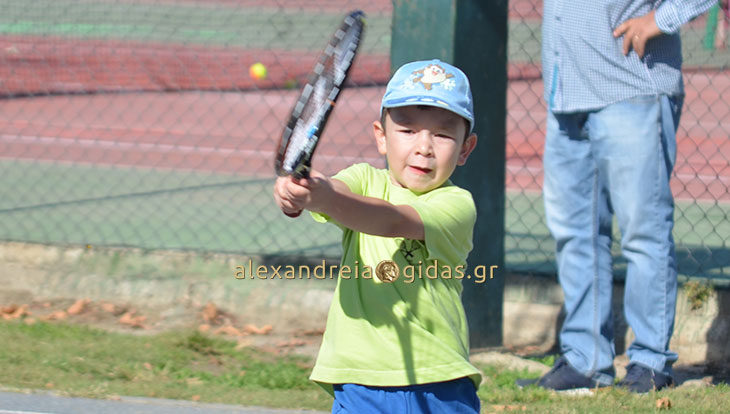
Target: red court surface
{"x":42,"y":65}
{"x":237,"y":132}
{"x":221,"y":132}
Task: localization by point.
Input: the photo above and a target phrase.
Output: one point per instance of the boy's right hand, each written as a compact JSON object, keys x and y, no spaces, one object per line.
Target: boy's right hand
{"x":292,"y":195}
{"x":288,"y":195}
{"x":333,"y":198}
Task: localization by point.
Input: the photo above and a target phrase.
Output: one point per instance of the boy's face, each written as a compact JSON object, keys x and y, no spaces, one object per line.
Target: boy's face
{"x":423,"y":145}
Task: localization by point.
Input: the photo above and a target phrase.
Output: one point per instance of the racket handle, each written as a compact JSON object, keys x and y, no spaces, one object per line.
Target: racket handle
{"x":302,"y":171}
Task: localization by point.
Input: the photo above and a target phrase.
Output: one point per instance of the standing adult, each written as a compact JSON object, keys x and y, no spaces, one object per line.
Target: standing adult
{"x":614,"y":90}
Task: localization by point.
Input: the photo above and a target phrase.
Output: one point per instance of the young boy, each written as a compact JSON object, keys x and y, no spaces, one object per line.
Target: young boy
{"x":400,"y":344}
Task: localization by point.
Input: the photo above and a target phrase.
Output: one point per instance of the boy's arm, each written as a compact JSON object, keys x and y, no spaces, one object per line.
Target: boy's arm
{"x":364,"y":214}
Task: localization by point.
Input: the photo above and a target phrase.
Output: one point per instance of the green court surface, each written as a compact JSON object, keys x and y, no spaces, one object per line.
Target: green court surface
{"x":151,"y":209}
{"x":162,"y":209}
{"x":214,"y":24}
{"x":219,"y":24}
{"x":700,"y":230}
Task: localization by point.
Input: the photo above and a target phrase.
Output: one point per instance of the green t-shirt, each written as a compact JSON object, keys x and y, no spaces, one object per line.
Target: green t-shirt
{"x":413,"y":330}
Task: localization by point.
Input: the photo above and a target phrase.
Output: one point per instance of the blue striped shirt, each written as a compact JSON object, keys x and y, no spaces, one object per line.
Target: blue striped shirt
{"x":583,"y":64}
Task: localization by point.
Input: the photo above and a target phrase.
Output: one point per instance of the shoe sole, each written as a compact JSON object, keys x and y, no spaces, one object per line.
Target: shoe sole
{"x":577,"y":392}
{"x":522,"y":383}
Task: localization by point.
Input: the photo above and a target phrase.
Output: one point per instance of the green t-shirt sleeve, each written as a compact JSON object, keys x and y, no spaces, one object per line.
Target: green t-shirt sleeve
{"x":354,"y":177}
{"x":448,"y":216}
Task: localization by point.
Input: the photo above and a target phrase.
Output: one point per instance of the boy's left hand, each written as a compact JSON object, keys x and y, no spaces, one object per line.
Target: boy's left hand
{"x":637,"y":32}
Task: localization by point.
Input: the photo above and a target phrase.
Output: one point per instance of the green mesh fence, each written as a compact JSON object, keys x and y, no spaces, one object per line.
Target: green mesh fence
{"x":136,"y":123}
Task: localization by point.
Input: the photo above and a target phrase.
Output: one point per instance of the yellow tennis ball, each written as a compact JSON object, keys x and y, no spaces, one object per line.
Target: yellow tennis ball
{"x":257,"y":71}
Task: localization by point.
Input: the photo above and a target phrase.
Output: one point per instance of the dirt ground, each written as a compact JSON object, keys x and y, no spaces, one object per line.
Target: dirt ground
{"x":127,"y":318}
{"x":37,"y":283}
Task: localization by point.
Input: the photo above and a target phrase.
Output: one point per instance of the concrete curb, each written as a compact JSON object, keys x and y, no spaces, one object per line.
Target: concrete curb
{"x":531,"y":308}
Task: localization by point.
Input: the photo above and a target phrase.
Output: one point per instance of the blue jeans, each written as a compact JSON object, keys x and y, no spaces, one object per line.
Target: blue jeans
{"x":616,"y":160}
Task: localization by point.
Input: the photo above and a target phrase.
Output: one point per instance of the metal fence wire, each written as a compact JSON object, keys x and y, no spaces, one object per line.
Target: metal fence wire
{"x":136,"y":123}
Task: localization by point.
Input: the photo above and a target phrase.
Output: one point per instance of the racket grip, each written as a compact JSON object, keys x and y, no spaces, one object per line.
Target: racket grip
{"x":294,"y":215}
{"x":302,"y":171}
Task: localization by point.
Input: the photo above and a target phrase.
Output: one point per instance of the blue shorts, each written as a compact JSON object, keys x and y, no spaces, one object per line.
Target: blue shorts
{"x":456,"y":396}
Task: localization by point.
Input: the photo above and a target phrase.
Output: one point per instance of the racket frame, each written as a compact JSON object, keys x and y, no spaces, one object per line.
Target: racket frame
{"x":302,"y":165}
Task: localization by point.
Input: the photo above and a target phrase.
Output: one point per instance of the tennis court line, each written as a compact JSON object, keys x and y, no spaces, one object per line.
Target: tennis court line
{"x":166,"y":148}
{"x":85,"y":143}
{"x":516,"y":168}
{"x":23,"y":412}
{"x":535,"y":171}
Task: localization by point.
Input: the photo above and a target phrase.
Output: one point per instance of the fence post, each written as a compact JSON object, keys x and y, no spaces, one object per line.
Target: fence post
{"x":711,"y":27}
{"x":471,"y":34}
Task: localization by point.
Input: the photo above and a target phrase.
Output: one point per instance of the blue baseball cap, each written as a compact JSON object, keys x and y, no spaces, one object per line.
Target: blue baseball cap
{"x":431,"y":83}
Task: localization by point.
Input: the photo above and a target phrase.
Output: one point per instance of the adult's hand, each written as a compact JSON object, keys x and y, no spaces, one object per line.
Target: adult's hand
{"x":637,"y":32}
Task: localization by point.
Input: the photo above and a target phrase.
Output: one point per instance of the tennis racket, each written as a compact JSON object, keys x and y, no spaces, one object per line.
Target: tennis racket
{"x":317,"y":99}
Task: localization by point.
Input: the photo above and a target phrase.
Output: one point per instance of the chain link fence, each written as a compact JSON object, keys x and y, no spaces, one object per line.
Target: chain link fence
{"x":136,"y":123}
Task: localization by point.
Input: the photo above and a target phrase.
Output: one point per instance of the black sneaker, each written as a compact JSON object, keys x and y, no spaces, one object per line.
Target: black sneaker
{"x":640,"y":379}
{"x":562,"y":377}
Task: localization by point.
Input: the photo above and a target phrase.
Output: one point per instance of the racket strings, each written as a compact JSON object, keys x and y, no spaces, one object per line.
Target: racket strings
{"x":344,"y":53}
{"x":307,"y":126}
{"x":318,"y":97}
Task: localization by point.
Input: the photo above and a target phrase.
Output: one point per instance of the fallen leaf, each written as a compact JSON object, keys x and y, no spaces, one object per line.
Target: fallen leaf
{"x":21,"y":311}
{"x":133,"y":321}
{"x":55,"y":316}
{"x":203,"y":328}
{"x":78,"y":306}
{"x":108,"y":307}
{"x":291,"y":343}
{"x":228,"y":330}
{"x":253,"y":329}
{"x":664,"y":403}
{"x":195,"y":398}
{"x":8,"y":309}
{"x":211,"y":314}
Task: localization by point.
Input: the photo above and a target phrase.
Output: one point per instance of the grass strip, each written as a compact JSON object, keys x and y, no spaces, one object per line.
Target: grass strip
{"x":81,"y":361}
{"x":86,"y":362}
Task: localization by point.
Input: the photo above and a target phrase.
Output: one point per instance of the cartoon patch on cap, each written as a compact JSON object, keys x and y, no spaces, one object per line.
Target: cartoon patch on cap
{"x":433,"y":74}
